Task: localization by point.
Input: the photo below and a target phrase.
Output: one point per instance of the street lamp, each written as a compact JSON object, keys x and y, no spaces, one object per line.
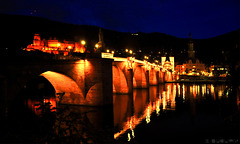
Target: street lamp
{"x":96,"y":45}
{"x":83,"y":42}
{"x":130,"y":51}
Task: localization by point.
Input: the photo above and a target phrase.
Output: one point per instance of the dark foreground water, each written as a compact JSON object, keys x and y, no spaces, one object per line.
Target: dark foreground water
{"x":169,"y":113}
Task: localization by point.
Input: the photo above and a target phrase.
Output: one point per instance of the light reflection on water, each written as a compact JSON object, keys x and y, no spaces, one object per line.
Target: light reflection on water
{"x":35,"y":105}
{"x":130,"y":111}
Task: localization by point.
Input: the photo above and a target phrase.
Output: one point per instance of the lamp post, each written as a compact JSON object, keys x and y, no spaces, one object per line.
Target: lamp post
{"x":83,"y":42}
{"x":82,"y":47}
{"x":130,"y":51}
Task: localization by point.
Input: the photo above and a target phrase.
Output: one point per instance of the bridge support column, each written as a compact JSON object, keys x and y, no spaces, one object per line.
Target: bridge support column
{"x":129,"y":77}
{"x":160,"y":77}
{"x":147,"y":78}
{"x":98,"y":82}
{"x":153,"y":77}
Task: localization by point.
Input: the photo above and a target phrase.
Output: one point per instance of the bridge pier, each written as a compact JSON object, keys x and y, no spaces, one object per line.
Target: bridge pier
{"x":129,"y":77}
{"x":153,"y":77}
{"x":161,"y":77}
{"x":86,"y":81}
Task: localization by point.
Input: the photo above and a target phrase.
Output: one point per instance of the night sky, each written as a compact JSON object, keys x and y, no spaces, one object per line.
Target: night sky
{"x":203,"y":18}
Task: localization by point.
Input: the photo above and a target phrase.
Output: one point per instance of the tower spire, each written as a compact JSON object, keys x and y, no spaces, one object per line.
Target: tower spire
{"x":191,"y":52}
{"x":100,"y":41}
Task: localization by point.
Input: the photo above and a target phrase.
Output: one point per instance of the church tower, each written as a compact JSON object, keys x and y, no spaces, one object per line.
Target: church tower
{"x":191,"y":52}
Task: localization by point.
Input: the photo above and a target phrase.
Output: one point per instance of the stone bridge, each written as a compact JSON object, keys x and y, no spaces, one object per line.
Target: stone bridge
{"x":130,"y":73}
{"x":85,"y":81}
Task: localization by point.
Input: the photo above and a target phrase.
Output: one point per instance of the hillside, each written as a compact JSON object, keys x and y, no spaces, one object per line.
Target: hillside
{"x":17,"y":32}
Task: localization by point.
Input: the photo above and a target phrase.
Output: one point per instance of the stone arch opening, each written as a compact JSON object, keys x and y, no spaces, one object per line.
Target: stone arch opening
{"x":139,"y":78}
{"x":119,"y":81}
{"x":65,"y":85}
{"x":38,"y":87}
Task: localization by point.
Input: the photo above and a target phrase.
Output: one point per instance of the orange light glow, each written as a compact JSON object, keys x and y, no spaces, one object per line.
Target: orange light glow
{"x":96,"y":45}
{"x":70,"y":87}
{"x":167,"y":100}
{"x":83,"y":42}
{"x":130,"y":51}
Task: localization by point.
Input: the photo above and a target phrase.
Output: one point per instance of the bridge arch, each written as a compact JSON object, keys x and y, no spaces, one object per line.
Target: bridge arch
{"x":64,"y":84}
{"x":139,"y":78}
{"x":119,"y":81}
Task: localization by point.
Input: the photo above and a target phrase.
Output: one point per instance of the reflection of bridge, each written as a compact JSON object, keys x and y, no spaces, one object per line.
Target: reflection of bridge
{"x":85,"y":81}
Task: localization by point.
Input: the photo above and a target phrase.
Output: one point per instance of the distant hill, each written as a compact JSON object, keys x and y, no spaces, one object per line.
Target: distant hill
{"x":17,"y":32}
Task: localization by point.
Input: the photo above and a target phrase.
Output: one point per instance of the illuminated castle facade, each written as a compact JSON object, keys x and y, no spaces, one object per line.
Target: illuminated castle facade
{"x":54,"y":46}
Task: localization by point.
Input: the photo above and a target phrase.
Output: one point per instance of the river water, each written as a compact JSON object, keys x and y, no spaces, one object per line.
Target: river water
{"x":167,"y":113}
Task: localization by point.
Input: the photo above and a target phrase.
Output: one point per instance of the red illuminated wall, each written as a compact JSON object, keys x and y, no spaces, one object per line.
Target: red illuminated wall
{"x":54,"y":46}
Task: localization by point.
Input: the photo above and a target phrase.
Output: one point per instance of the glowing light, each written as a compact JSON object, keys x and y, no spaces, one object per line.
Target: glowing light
{"x":83,"y":42}
{"x":58,"y":44}
{"x":129,"y":137}
{"x":126,"y":50}
{"x":112,"y":52}
{"x":158,"y":108}
{"x":106,"y":55}
{"x":130,"y":51}
{"x":148,"y":115}
{"x":179,"y":92}
{"x":70,"y":47}
{"x":96,"y":45}
{"x":133,"y":133}
{"x":183,"y":92}
{"x":220,"y":93}
{"x":107,"y":50}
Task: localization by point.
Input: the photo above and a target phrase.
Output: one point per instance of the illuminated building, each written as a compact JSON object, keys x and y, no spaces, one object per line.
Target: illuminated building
{"x":54,"y":46}
{"x":167,"y":64}
{"x":219,"y":70}
{"x":192,"y":66}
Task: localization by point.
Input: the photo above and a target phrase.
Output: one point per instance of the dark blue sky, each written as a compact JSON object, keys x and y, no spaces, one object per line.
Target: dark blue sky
{"x":203,"y":18}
